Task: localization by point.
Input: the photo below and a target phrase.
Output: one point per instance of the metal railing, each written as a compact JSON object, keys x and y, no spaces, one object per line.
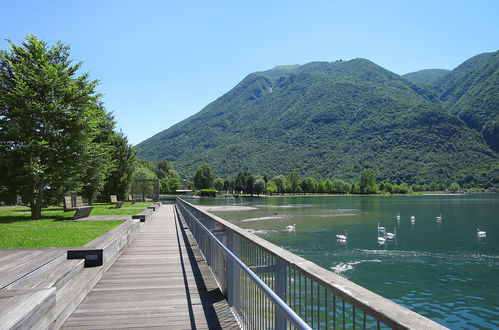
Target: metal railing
{"x":268,"y":287}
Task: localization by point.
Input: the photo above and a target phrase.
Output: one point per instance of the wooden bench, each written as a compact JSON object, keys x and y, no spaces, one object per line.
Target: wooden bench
{"x":82,"y":212}
{"x":71,"y":203}
{"x":130,"y":199}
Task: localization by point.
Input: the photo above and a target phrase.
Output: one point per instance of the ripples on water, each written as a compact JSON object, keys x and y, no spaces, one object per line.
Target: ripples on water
{"x":436,"y":268}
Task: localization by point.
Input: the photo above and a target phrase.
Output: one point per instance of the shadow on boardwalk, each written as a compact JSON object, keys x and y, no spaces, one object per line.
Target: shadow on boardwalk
{"x":212,"y":299}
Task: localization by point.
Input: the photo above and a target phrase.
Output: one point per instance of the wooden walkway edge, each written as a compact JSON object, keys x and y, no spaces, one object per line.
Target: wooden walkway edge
{"x":160,"y":281}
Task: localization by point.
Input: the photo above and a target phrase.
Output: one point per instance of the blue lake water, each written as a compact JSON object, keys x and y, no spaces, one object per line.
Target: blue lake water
{"x":439,"y":269}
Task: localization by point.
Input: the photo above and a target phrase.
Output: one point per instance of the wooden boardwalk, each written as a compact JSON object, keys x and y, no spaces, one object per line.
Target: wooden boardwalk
{"x":160,"y":281}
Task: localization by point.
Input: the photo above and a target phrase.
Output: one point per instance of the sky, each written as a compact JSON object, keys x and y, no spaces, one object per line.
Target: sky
{"x":159,"y":62}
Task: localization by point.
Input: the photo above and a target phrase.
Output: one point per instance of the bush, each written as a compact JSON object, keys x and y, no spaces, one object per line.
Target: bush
{"x":207,"y":193}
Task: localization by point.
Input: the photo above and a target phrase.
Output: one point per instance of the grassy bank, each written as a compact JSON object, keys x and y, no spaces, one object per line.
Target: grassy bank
{"x":17,"y":230}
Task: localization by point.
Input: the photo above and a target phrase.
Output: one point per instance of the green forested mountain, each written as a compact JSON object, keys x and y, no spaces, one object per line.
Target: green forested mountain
{"x":330,"y":119}
{"x":474,"y":97}
{"x":427,"y":76}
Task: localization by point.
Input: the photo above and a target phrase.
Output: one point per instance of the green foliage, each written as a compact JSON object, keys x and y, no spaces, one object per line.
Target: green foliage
{"x":367,"y":181}
{"x":258,"y":185}
{"x":144,"y":172}
{"x":203,"y":179}
{"x":454,"y":187}
{"x":49,"y":119}
{"x":280,"y":182}
{"x":271,"y":187}
{"x":219,"y":184}
{"x":170,"y":180}
{"x":99,"y":158}
{"x":427,"y":76}
{"x":490,"y":133}
{"x":124,"y":160}
{"x":207,"y":193}
{"x":294,"y":182}
{"x":333,"y":120}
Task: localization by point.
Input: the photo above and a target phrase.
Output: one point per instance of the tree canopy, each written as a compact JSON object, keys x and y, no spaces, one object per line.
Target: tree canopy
{"x":203,"y":179}
{"x":49,"y":118}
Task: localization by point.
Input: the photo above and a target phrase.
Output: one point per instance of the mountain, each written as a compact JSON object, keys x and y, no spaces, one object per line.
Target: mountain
{"x":474,"y":97}
{"x":471,"y":92}
{"x":427,"y":76}
{"x":329,"y":119}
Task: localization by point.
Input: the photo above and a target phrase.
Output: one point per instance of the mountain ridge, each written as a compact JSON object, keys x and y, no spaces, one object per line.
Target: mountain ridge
{"x":328,"y":119}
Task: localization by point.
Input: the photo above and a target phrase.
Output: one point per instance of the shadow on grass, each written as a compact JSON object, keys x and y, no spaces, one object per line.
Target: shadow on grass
{"x":26,"y":218}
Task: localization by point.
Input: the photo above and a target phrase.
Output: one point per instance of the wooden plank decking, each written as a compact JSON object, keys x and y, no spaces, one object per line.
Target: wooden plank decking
{"x":160,"y":281}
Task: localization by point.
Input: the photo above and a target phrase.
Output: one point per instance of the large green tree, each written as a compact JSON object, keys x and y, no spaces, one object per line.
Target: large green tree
{"x":48,"y":116}
{"x":99,"y":157}
{"x":203,"y":179}
{"x":367,"y":181}
{"x":170,"y":180}
{"x":124,"y":161}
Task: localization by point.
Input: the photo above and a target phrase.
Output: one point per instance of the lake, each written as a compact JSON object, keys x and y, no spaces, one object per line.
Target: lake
{"x":440,"y":269}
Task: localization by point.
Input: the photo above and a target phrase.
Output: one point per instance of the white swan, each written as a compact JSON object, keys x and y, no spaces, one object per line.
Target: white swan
{"x":481,"y":233}
{"x":439,"y":218}
{"x":398,"y":216}
{"x":291,"y":228}
{"x":391,"y":235}
{"x":413,"y":218}
{"x":381,"y":229}
{"x":381,"y":240}
{"x":342,"y":237}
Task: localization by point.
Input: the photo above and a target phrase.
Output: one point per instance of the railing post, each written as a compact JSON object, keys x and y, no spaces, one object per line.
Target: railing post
{"x":280,"y":290}
{"x":232,"y":271}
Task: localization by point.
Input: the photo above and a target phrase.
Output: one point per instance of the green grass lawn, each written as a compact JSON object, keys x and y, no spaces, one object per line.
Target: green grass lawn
{"x":108,"y":209}
{"x":17,"y":230}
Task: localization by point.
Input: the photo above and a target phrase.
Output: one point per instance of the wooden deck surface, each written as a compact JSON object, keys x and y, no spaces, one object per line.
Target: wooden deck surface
{"x":160,"y":281}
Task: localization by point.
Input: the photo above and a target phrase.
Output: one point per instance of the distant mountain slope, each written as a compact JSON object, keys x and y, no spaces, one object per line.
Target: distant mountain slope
{"x":329,"y":119}
{"x":471,"y":91}
{"x":427,"y":76}
{"x":453,"y":85}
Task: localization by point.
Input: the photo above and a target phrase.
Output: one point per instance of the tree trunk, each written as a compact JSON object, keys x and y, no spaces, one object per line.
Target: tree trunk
{"x":36,"y":205}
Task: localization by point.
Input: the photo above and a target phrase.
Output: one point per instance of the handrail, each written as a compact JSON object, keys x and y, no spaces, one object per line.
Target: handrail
{"x":278,"y":302}
{"x":382,"y":309}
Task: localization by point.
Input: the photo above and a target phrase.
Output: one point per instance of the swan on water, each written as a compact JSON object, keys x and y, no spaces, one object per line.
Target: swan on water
{"x":413,"y":218}
{"x":291,"y":228}
{"x":391,"y":235}
{"x":342,"y":237}
{"x":439,"y":218}
{"x":381,"y":240}
{"x":398,"y":216}
{"x":481,"y":233}
{"x":381,"y":229}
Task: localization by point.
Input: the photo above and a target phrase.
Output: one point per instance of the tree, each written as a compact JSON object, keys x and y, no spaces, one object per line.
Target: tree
{"x":170,"y":179}
{"x":280,"y":182}
{"x":165,"y":169}
{"x":99,"y":158}
{"x":170,"y":185}
{"x":219,"y":184}
{"x":454,"y":187}
{"x":367,"y":181}
{"x":124,"y":161}
{"x":258,"y":185}
{"x":203,"y":179}
{"x":271,"y":187}
{"x":294,"y":181}
{"x":48,"y":117}
{"x":141,"y":184}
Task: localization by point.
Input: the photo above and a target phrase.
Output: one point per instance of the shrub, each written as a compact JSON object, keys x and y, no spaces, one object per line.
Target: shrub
{"x":207,"y":193}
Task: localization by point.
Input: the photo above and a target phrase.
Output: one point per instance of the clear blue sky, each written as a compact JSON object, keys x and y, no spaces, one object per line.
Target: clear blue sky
{"x":159,"y":62}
